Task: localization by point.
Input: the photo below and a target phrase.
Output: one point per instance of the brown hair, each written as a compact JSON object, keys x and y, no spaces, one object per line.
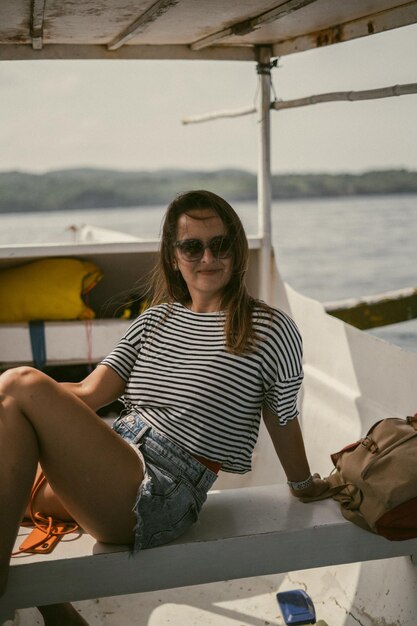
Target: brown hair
{"x":168,"y":285}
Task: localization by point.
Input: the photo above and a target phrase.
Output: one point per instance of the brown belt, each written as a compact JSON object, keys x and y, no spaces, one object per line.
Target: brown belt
{"x":214,"y":466}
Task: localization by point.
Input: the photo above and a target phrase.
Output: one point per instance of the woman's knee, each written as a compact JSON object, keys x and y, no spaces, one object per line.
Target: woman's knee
{"x":19,"y":378}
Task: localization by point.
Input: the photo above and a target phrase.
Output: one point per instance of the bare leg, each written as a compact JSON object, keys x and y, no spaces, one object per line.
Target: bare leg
{"x":48,"y":503}
{"x":15,"y":481}
{"x":95,"y":473}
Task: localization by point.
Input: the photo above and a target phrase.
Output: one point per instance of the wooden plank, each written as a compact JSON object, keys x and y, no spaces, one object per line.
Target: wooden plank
{"x":66,"y":342}
{"x":375,"y":311}
{"x":249,"y":25}
{"x":36,"y":26}
{"x":25,"y":52}
{"x":142,"y":23}
{"x":241,"y":532}
{"x":349,"y":29}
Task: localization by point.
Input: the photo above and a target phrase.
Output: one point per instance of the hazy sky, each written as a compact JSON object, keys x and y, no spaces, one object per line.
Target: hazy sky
{"x":127,"y":115}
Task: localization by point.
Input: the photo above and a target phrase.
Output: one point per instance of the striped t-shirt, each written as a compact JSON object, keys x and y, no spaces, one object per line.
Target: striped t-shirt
{"x":181,"y":379}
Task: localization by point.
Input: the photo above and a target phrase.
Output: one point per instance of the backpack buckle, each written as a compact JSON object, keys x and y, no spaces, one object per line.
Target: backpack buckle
{"x":412,"y":420}
{"x":371,"y":445}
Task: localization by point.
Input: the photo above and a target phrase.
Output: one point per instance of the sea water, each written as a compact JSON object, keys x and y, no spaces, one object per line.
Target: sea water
{"x":328,"y":249}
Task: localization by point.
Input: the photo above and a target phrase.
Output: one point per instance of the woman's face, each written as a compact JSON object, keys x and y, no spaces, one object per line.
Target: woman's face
{"x":206,"y":277}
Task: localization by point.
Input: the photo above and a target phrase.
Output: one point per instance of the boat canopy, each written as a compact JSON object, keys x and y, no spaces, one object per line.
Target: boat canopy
{"x":188,"y":29}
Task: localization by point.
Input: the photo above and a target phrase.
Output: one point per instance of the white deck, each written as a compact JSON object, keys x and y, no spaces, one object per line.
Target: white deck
{"x":243,"y":532}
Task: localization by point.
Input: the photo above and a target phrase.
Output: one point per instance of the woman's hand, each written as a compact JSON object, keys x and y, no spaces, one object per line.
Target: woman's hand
{"x":316,"y":489}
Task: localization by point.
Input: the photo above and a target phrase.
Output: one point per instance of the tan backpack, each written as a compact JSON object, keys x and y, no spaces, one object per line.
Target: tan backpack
{"x":375,"y":479}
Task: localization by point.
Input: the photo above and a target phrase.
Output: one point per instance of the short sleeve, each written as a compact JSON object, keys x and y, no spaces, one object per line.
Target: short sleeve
{"x":282,"y":397}
{"x":122,"y":359}
{"x":283,"y":367}
{"x":124,"y":356}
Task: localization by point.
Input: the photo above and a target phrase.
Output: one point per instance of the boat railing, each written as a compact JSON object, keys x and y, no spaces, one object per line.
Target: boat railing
{"x":377,"y":310}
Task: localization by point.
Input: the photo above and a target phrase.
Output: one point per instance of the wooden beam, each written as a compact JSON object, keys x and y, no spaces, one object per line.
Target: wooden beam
{"x":25,"y":52}
{"x":336,"y":96}
{"x":36,"y":23}
{"x":206,"y":117}
{"x":349,"y":96}
{"x":142,"y":23}
{"x":395,"y":17}
{"x":247,"y":26}
{"x":378,"y":310}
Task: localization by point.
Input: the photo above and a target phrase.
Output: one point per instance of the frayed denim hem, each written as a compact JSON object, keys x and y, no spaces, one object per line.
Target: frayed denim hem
{"x":139,"y":530}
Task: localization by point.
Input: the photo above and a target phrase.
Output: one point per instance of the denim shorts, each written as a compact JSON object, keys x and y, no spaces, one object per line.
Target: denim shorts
{"x":174,"y":488}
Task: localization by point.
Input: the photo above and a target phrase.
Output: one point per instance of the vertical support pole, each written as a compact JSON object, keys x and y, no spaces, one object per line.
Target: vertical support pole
{"x":264,"y":171}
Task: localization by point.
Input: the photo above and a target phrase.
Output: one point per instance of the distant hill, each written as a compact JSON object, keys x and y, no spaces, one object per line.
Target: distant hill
{"x":100,"y":188}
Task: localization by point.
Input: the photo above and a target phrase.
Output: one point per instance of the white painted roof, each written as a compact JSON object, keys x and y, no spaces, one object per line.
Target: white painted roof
{"x":199,"y":29}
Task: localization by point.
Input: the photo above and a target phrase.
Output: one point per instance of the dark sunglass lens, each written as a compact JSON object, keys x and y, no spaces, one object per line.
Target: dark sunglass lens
{"x":191,"y":249}
{"x":220,"y":247}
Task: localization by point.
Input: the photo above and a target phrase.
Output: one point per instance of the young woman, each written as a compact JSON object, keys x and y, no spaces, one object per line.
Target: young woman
{"x":196,"y":370}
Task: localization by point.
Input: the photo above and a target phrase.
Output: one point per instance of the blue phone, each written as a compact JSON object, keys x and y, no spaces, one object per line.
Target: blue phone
{"x":296,"y":607}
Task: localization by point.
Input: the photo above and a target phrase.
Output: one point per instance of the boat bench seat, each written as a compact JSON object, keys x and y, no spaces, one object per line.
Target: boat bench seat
{"x":241,"y":532}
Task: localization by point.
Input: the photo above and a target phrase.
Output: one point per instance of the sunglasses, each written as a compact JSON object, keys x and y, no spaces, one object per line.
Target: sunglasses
{"x":193,"y":249}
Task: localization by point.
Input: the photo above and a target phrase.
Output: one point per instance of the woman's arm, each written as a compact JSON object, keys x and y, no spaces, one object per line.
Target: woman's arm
{"x":99,"y":388}
{"x":289,"y":446}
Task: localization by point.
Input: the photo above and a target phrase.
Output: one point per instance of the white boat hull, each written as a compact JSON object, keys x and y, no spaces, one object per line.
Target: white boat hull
{"x":351,"y":380}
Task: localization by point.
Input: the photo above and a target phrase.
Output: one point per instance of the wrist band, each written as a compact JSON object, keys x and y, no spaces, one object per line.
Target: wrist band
{"x":302,"y":484}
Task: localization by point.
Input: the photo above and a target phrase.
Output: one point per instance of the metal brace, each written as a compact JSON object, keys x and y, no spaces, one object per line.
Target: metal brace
{"x":265,"y":68}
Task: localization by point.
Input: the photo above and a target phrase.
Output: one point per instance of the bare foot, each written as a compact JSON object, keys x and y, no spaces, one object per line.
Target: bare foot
{"x":61,"y":615}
